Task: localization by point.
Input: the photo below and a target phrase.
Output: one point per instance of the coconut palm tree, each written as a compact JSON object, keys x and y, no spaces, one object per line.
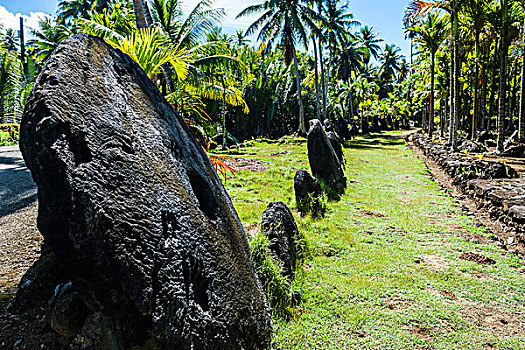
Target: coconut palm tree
{"x":368,"y":39}
{"x":10,"y":41}
{"x":338,"y":20}
{"x":429,"y":36}
{"x":521,"y":122}
{"x":417,"y":8}
{"x":319,"y":52}
{"x":287,"y":21}
{"x":48,"y":36}
{"x":349,"y":60}
{"x":475,"y":12}
{"x":70,"y":9}
{"x":390,"y":62}
{"x":240,"y":38}
{"x":502,"y":74}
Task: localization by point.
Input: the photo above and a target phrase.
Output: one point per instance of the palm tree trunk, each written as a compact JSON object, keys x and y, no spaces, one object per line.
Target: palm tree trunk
{"x":512,"y":94}
{"x":302,"y":126}
{"x":451,"y":107}
{"x":493,"y":89}
{"x":431,"y":111}
{"x":457,"y":73}
{"x":483,"y":97}
{"x":502,"y":78}
{"x":142,"y":14}
{"x":23,"y":48}
{"x":323,"y":80}
{"x":316,"y":60}
{"x":351,"y":107}
{"x":443,"y":118}
{"x":521,"y":127}
{"x":476,"y":90}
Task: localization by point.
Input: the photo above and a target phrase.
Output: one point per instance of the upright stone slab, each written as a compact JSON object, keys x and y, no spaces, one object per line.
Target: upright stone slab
{"x":278,"y":224}
{"x":336,"y":145}
{"x":323,"y":160}
{"x":307,"y":193}
{"x":153,"y":250}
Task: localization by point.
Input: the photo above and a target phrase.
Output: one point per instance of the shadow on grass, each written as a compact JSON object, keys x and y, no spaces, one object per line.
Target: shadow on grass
{"x":375,"y":141}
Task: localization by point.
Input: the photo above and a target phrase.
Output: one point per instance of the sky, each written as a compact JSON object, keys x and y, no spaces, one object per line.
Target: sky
{"x":385,"y":16}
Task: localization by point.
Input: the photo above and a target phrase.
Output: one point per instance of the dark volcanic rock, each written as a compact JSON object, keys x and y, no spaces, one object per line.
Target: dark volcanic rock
{"x":328,"y":125}
{"x":152,"y":248}
{"x":471,"y":146}
{"x":515,"y":150}
{"x":336,"y":145}
{"x":278,"y":224}
{"x":307,"y":193}
{"x":323,"y":160}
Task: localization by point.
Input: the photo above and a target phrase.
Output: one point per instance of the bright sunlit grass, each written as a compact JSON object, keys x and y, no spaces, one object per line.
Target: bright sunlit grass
{"x":362,"y":286}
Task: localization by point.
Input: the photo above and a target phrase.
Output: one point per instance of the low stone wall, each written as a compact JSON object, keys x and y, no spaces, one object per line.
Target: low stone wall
{"x":492,"y":185}
{"x":458,"y":165}
{"x":504,"y":201}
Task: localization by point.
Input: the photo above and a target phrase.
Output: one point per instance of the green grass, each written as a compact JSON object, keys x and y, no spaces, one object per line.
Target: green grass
{"x":364,"y":285}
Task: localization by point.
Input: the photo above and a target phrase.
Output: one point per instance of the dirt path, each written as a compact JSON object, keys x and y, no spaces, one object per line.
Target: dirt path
{"x":17,"y":189}
{"x":19,"y":237}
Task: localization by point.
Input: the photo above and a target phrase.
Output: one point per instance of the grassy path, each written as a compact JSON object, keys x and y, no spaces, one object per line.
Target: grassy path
{"x":384,"y":270}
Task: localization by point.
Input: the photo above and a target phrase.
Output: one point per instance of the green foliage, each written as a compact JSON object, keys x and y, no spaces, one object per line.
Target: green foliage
{"x":362,"y":285}
{"x":5,"y":139}
{"x":9,"y":134}
{"x":277,"y":286}
{"x":315,"y":206}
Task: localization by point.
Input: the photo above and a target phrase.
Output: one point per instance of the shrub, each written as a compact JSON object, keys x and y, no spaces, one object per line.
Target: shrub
{"x":9,"y":134}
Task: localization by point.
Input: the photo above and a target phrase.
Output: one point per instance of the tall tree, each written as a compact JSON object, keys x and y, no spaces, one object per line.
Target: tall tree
{"x":71,"y":9}
{"x":368,"y":38}
{"x":390,"y":62}
{"x":338,"y":21}
{"x":48,"y":36}
{"x":429,"y":35}
{"x":521,"y":121}
{"x":475,"y":13}
{"x":287,"y":21}
{"x":418,"y":8}
{"x":142,"y":14}
{"x":502,"y":75}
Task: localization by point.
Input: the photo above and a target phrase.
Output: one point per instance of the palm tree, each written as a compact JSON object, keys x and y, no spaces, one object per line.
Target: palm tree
{"x":503,"y":74}
{"x":369,"y":40}
{"x":429,"y":36}
{"x":289,"y":21}
{"x":316,"y":72}
{"x":70,"y":9}
{"x":48,"y":36}
{"x":9,"y":40}
{"x":390,"y":62}
{"x":348,"y":61}
{"x":475,"y":13}
{"x":142,"y":14}
{"x":521,"y":123}
{"x":417,"y":8}
{"x":337,"y":22}
{"x":319,"y":51}
{"x":10,"y":86}
{"x":240,"y":38}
